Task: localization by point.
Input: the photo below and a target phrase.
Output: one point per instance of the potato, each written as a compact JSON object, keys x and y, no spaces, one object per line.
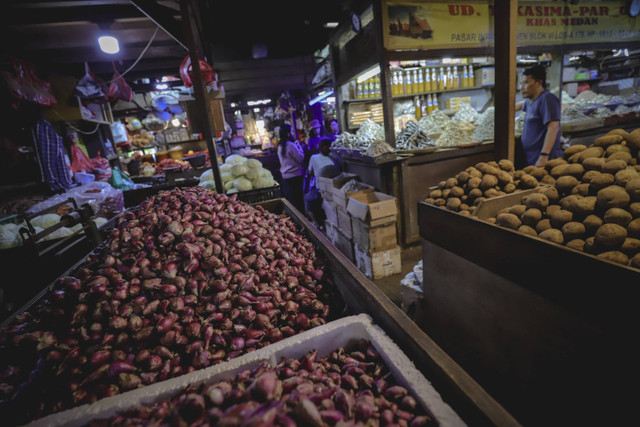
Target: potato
{"x":590,"y":245}
{"x":529,"y":169}
{"x":508,"y":220}
{"x":614,"y":256}
{"x":574,"y":158}
{"x":491,"y":220}
{"x":559,"y":170}
{"x":429,"y":200}
{"x":553,"y":235}
{"x":630,"y":245}
{"x":607,"y":140}
{"x":633,"y":228}
{"x":576,"y":170}
{"x":505,"y":165}
{"x":464,"y":212}
{"x":491,"y":170}
{"x":503,"y":210}
{"x":614,"y":166}
{"x":462,"y":177}
{"x":535,"y":200}
{"x":527,"y":181}
{"x":493,"y":163}
{"x":435,"y":193}
{"x":551,"y":209}
{"x":475,"y":193}
{"x":472,"y":209}
{"x":602,"y":180}
{"x":633,"y":141}
{"x":568,"y":203}
{"x":442,"y":184}
{"x":450,"y":183}
{"x":456,"y":192}
{"x":591,"y":152}
{"x":565,"y":183}
{"x":592,"y":223}
{"x":577,"y":244}
{"x":551,"y":193}
{"x":525,"y":229}
{"x":446,"y":192}
{"x":613,"y":196}
{"x":491,"y":192}
{"x":593,"y":163}
{"x":620,"y":155}
{"x":548,"y":179}
{"x":626,"y":175}
{"x":573,"y":230}
{"x":560,"y":218}
{"x":479,"y":200}
{"x":453,"y":203}
{"x":635,"y":261}
{"x":488,"y":181}
{"x":518,"y":174}
{"x":473,"y":182}
{"x":464,"y":207}
{"x":634,"y":209}
{"x":531,"y":217}
{"x":620,"y":132}
{"x":518,"y":210}
{"x":464,"y":198}
{"x":504,"y":178}
{"x":543,"y":225}
{"x":573,"y":149}
{"x":538,"y":173}
{"x":481,"y":166}
{"x":633,"y":188}
{"x":581,"y":190}
{"x":588,"y":176}
{"x":617,"y":148}
{"x":610,"y":235}
{"x":617,"y":216}
{"x":440,"y":202}
{"x":554,"y":162}
{"x":585,"y":205}
{"x":509,"y":188}
{"x":473,"y":172}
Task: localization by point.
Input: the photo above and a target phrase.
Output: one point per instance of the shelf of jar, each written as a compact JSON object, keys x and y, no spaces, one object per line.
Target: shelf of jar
{"x":378,"y":99}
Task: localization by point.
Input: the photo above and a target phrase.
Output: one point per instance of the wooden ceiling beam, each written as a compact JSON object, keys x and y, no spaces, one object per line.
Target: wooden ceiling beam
{"x":163,"y":18}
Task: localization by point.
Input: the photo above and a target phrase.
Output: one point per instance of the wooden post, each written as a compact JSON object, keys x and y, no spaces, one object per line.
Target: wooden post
{"x":506,"y":80}
{"x":385,"y":74}
{"x":199,"y":89}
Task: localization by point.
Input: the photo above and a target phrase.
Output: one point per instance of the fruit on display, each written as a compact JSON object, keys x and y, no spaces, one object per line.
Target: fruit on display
{"x":187,"y":279}
{"x":241,"y":174}
{"x":142,"y":139}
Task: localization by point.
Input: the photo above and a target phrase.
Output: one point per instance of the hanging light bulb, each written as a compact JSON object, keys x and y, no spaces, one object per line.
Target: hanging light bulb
{"x":109,"y":44}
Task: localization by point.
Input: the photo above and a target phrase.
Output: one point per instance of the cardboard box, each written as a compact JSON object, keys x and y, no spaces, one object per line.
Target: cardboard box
{"x":372,"y":207}
{"x":379,"y":264}
{"x":344,"y":222}
{"x":343,"y":243}
{"x":328,"y":184}
{"x":341,"y":198}
{"x":374,"y":239}
{"x":330,"y":211}
{"x":485,"y":76}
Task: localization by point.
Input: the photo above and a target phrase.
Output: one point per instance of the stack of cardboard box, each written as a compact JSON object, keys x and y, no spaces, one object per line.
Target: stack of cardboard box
{"x":374,"y":229}
{"x":338,"y":220}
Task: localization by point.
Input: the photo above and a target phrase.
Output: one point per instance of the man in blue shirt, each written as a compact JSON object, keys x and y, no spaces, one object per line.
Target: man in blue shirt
{"x":541,"y":134}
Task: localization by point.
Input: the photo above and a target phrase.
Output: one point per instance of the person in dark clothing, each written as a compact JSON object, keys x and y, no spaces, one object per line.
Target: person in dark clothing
{"x":320,"y":165}
{"x":291,"y":156}
{"x":541,"y":134}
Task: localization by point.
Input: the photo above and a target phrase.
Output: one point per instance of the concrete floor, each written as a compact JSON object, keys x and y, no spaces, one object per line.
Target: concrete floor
{"x":391,"y":285}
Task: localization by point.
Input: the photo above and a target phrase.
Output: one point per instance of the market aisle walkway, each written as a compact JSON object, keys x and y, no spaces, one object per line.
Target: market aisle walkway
{"x":391,"y":284}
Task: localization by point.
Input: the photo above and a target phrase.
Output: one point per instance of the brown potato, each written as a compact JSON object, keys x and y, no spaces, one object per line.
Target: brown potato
{"x":591,"y":152}
{"x":442,"y":185}
{"x":560,"y":218}
{"x":531,"y":217}
{"x":573,"y":149}
{"x":481,"y":166}
{"x":435,"y":193}
{"x":625,"y":175}
{"x":464,"y":212}
{"x":517,"y":210}
{"x":543,"y":225}
{"x":548,"y":179}
{"x":574,"y":159}
{"x":538,"y":173}
{"x":475,"y":193}
{"x":593,"y":163}
{"x":527,"y":181}
{"x":633,"y":188}
{"x":464,"y":207}
{"x":617,"y":216}
{"x":493,"y":163}
{"x":446,"y":192}
{"x":568,"y":203}
{"x":456,"y":192}
{"x":581,"y":190}
{"x":590,"y":245}
{"x":573,"y":230}
{"x":488,"y":181}
{"x":529,"y":169}
{"x":453,"y":203}
{"x":614,"y":166}
{"x":491,"y":220}
{"x":576,"y":170}
{"x":553,"y":235}
{"x":616,"y":148}
{"x":635,"y":261}
{"x":559,"y":170}
{"x":508,"y":220}
{"x":588,"y":176}
{"x":592,"y":223}
{"x":633,"y":228}
{"x":610,"y":235}
{"x":565,"y":183}
{"x":478,"y":200}
{"x":509,"y":188}
{"x":585,"y":205}
{"x":634,"y":209}
{"x":504,"y":178}
{"x":504,"y":210}
{"x":551,"y":209}
{"x":473,"y":172}
{"x":630,"y":245}
{"x":551,"y":193}
{"x":440,"y":202}
{"x":620,"y":155}
{"x":620,"y":132}
{"x":462,"y":177}
{"x":505,"y":165}
{"x":602,"y":180}
{"x":577,"y":244}
{"x":614,"y":256}
{"x":492,"y":170}
{"x":491,"y":192}
{"x":555,"y":162}
{"x":633,"y":141}
{"x":613,"y":196}
{"x":525,"y":229}
{"x":607,"y":140}
{"x":518,"y":174}
{"x":535,"y":200}
{"x":450,"y":183}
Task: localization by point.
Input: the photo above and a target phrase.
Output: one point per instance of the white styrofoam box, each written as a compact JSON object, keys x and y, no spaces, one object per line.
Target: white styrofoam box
{"x":325,"y":339}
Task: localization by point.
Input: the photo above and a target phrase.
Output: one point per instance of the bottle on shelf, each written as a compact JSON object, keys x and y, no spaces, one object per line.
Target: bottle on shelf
{"x":442,"y":80}
{"x":394,"y":83}
{"x":416,"y":103}
{"x":368,"y":88}
{"x":359,"y":90}
{"x":416,"y":81}
{"x":434,"y":80}
{"x":376,"y":86}
{"x":429,"y":104}
{"x":427,"y":80}
{"x":434,"y":102}
{"x":465,"y":77}
{"x":449,"y":78}
{"x":423,"y":106}
{"x":401,"y":88}
{"x":408,"y":82}
{"x":472,"y":80}
{"x":456,"y":78}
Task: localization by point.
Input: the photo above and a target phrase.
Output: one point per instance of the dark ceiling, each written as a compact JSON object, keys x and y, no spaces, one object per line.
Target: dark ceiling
{"x":58,"y":36}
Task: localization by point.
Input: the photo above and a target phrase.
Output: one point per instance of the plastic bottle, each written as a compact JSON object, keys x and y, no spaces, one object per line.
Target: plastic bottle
{"x":359,"y":90}
{"x":434,"y":80}
{"x":376,"y":86}
{"x":401,"y":88}
{"x":449,"y":78}
{"x":429,"y":104}
{"x":427,"y":80}
{"x":409,"y":82}
{"x":434,"y":102}
{"x":416,"y":103}
{"x":394,"y":83}
{"x":472,"y":80}
{"x":456,"y":79}
{"x":465,"y":77}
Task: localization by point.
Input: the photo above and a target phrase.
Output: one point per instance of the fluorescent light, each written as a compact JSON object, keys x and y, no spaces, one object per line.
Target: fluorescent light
{"x":329,"y":100}
{"x":162,"y":86}
{"x":257,"y":110}
{"x":233,"y":105}
{"x":367,"y":75}
{"x":258,"y":102}
{"x":320,"y":97}
{"x":330,"y":24}
{"x":109,"y":44}
{"x":175,"y":122}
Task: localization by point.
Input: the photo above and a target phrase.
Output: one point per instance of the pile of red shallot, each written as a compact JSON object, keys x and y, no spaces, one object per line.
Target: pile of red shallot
{"x":187,"y":279}
{"x":343,"y":389}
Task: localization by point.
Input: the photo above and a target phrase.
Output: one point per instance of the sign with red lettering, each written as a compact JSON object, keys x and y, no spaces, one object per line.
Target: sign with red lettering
{"x":452,"y":24}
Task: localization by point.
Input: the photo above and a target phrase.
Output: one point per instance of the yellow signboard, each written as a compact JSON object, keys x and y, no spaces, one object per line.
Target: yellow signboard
{"x":452,"y":24}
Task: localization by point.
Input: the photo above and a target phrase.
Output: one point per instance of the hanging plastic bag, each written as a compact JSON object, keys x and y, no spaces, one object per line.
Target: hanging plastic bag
{"x":24,"y":85}
{"x":119,"y":89}
{"x":91,"y":88}
{"x":186,"y":72}
{"x":79,"y":161}
{"x":101,"y":167}
{"x":120,"y":180}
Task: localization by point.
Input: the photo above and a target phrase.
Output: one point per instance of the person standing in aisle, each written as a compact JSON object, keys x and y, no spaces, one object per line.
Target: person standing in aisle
{"x":291,"y":156}
{"x":335,"y":130}
{"x":322,"y":164}
{"x":540,"y":138}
